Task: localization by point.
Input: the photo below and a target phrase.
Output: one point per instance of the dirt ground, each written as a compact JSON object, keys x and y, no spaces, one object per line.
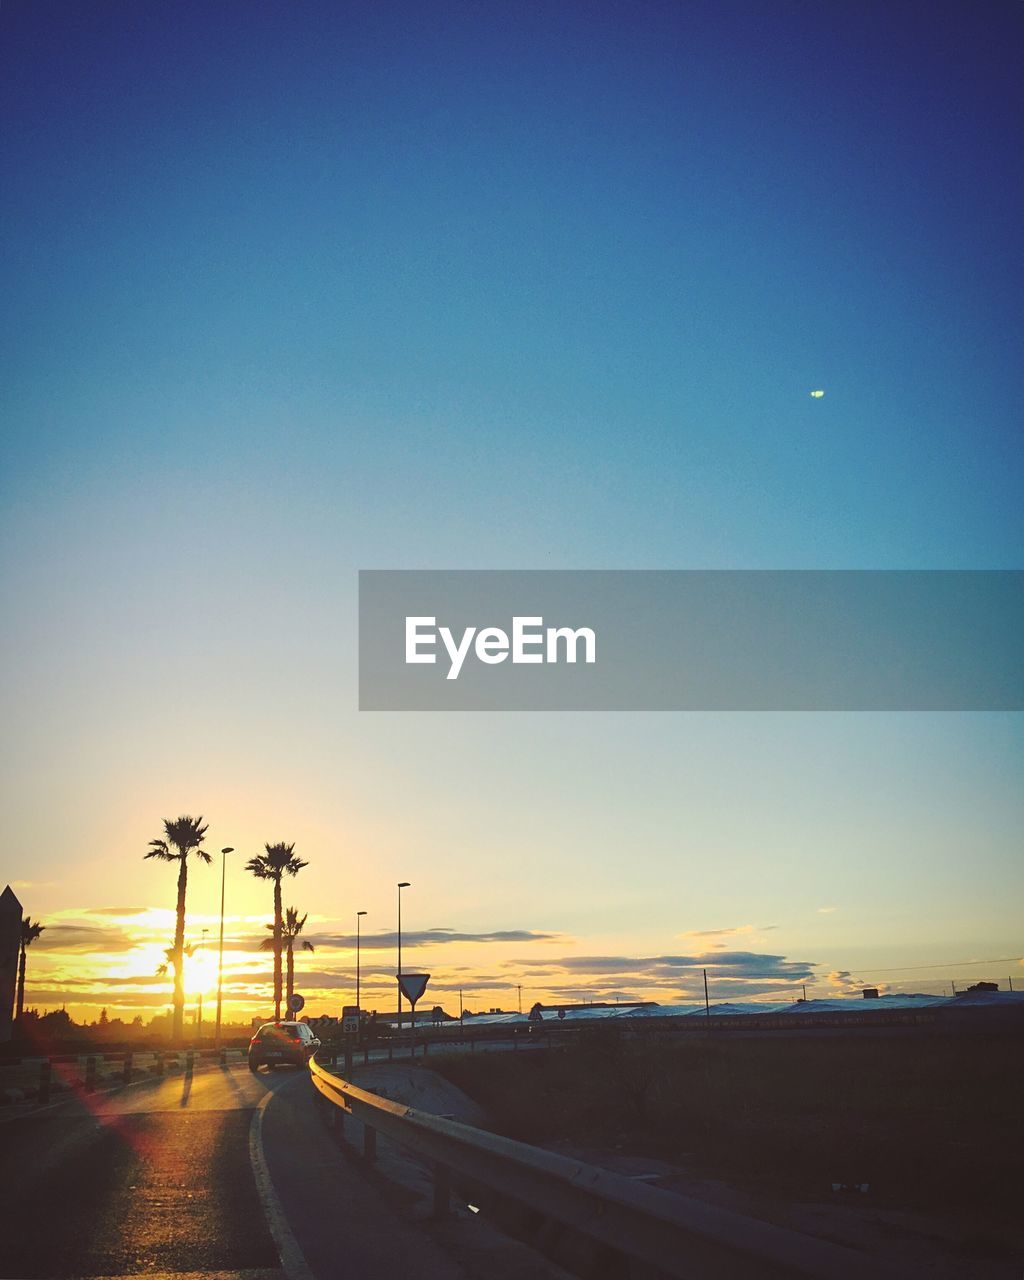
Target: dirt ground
{"x":931,"y":1131}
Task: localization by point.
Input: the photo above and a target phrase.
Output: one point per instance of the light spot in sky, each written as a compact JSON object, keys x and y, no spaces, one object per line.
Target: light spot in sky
{"x":816,"y":395}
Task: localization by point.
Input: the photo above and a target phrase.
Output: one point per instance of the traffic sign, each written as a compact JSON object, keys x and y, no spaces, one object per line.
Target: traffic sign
{"x":413,"y":985}
{"x":296,"y":1003}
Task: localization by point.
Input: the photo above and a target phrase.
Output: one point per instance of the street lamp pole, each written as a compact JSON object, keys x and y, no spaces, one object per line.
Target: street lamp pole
{"x":220,"y":951}
{"x":403,"y":885}
{"x":358,"y":1005}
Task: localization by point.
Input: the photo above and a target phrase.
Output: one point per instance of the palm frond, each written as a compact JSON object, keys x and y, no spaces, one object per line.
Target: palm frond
{"x":30,"y":930}
{"x":267,"y":944}
{"x":159,"y":849}
{"x":185,"y":833}
{"x":307,"y":945}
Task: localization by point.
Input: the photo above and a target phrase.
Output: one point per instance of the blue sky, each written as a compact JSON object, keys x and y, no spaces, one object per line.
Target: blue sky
{"x":296,"y":290}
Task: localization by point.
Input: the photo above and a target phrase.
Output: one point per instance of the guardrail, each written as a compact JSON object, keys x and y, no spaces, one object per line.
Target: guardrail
{"x":677,"y":1235}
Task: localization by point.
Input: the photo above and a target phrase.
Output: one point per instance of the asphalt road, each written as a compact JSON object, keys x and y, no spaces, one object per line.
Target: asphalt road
{"x":225,"y":1176}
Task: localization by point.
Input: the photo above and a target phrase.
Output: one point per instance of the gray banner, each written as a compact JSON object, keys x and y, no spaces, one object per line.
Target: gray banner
{"x":697,"y":640}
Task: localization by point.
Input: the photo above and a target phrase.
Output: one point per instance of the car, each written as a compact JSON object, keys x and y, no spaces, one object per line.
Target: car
{"x":278,"y":1044}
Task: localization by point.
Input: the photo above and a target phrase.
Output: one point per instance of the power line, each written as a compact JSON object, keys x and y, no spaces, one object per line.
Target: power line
{"x":959,"y":964}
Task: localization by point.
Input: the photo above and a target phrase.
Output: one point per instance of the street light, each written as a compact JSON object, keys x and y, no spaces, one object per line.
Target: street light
{"x":220,"y":953}
{"x":358,"y":915}
{"x":404,"y":884}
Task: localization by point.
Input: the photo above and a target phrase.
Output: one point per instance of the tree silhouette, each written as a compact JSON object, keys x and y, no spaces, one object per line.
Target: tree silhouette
{"x":290,"y":930}
{"x":183,"y":836}
{"x":30,"y":930}
{"x":278,"y":861}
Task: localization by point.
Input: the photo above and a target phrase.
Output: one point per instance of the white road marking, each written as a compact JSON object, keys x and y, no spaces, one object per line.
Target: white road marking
{"x":292,"y":1261}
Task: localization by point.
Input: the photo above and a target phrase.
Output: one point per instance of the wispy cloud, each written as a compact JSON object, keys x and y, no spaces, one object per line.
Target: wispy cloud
{"x":734,"y":931}
{"x":429,"y":938}
{"x":735,"y":964}
{"x":84,"y":937}
{"x":826,"y":911}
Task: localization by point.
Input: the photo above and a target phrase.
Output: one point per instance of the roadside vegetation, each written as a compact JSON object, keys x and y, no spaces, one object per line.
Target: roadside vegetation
{"x":926,"y":1121}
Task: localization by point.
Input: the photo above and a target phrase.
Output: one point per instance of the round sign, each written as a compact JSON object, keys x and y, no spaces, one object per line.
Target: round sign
{"x":296,"y":1002}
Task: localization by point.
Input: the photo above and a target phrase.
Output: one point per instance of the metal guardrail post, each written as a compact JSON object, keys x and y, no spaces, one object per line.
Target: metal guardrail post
{"x":442,"y":1191}
{"x":369,"y":1143}
{"x":366,"y":1055}
{"x":391,"y":1052}
{"x":90,"y":1074}
{"x":190,"y":1062}
{"x":126,"y":1069}
{"x":160,"y":1065}
{"x":223,"y":1057}
{"x":44,"y":1080}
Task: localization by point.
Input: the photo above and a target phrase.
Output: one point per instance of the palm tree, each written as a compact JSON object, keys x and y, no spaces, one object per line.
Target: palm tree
{"x":181,"y":837}
{"x":279,"y":860}
{"x":30,"y":930}
{"x":290,"y":931}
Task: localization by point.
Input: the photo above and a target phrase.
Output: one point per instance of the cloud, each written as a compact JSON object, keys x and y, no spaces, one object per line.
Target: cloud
{"x":826,"y":911}
{"x":99,"y":996}
{"x":748,"y":964}
{"x":84,"y":937}
{"x":33,"y":884}
{"x":429,"y":938}
{"x":135,"y":980}
{"x":726,"y":933}
{"x":118,"y":911}
{"x":847,"y":983}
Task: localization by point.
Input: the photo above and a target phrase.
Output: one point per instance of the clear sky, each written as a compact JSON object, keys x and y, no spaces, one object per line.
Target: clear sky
{"x":293,"y":290}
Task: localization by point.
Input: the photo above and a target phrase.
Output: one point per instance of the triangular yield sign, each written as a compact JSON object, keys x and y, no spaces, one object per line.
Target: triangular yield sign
{"x":413,"y":985}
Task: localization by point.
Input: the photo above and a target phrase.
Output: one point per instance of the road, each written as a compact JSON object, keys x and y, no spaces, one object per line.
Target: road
{"x":223,"y":1175}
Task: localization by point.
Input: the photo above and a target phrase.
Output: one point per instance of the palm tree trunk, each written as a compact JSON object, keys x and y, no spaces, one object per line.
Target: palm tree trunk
{"x":277,"y":949}
{"x":21,"y":982}
{"x":178,"y":958}
{"x":291,"y":972}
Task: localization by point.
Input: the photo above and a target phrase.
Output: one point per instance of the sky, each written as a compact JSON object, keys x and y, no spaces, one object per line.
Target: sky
{"x":291,"y":291}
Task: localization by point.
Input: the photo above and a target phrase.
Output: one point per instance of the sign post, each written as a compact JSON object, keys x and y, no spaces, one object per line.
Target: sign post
{"x":412,"y":986}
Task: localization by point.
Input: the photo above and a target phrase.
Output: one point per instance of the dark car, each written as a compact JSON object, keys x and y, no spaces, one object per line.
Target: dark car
{"x":282,"y":1044}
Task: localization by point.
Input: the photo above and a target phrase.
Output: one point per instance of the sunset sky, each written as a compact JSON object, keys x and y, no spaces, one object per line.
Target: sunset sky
{"x":292,"y":291}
